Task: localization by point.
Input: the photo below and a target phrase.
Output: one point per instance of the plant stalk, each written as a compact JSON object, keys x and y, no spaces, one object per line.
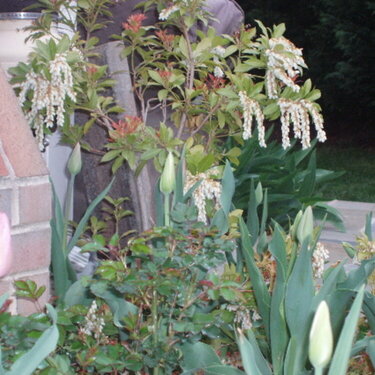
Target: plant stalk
{"x":166,"y":210}
{"x":67,"y":210}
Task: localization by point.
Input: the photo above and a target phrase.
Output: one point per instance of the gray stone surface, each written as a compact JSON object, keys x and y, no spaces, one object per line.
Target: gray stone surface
{"x":354,"y":217}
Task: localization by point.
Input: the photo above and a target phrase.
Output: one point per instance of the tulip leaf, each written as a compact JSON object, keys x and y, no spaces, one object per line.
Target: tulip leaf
{"x":278,"y":327}
{"x":228,"y":187}
{"x":82,"y":224}
{"x":341,"y":356}
{"x":299,"y":293}
{"x":261,"y":292}
{"x":252,"y":358}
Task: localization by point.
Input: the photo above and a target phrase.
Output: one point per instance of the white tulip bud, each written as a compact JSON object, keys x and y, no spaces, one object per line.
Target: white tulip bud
{"x":168,"y":177}
{"x":321,"y":337}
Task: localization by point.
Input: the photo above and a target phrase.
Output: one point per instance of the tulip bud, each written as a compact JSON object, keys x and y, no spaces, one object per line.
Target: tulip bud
{"x":5,"y":248}
{"x":321,"y":337}
{"x":306,"y":225}
{"x":168,"y":177}
{"x":75,"y":161}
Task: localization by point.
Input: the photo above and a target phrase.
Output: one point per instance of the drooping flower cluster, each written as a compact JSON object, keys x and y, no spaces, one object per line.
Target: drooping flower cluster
{"x":166,"y":12}
{"x":48,"y":104}
{"x":284,"y":63}
{"x":208,"y":189}
{"x":298,"y":114}
{"x":93,"y":323}
{"x":320,"y":256}
{"x":252,"y":109}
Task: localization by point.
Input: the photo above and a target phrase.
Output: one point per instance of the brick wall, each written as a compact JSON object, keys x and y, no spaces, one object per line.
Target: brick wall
{"x":25,"y":195}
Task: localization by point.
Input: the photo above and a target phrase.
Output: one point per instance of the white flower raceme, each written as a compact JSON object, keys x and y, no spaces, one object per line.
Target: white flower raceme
{"x":208,"y":189}
{"x":93,"y":323}
{"x":298,"y":114}
{"x":320,"y":256}
{"x":48,"y":95}
{"x":165,"y":13}
{"x":284,"y":63}
{"x":251,"y":108}
{"x":242,"y":316}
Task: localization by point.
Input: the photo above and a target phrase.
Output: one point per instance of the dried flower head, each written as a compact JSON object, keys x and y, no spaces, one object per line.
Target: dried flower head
{"x":298,"y":114}
{"x":251,"y":109}
{"x":208,"y":189}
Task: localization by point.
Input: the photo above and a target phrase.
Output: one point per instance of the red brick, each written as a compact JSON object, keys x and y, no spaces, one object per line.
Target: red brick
{"x":35,"y":203}
{"x":31,"y":251}
{"x":6,"y":201}
{"x":3,"y":169}
{"x":18,"y":142}
{"x":26,"y":307}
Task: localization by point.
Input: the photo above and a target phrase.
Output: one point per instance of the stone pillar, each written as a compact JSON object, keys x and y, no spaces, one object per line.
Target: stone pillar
{"x":25,"y":196}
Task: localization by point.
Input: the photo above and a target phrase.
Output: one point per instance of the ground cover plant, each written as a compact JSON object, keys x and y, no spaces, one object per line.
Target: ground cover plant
{"x":204,"y":290}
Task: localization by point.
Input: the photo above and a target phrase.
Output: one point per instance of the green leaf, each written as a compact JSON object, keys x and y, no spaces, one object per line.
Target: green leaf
{"x":228,"y":187}
{"x":46,"y":344}
{"x":119,"y":307}
{"x":82,"y":224}
{"x":278,"y":326}
{"x":58,"y":257}
{"x":197,"y":357}
{"x":341,"y":356}
{"x":252,"y":358}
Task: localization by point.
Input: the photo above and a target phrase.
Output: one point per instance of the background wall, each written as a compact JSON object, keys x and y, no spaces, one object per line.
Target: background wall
{"x":25,"y":195}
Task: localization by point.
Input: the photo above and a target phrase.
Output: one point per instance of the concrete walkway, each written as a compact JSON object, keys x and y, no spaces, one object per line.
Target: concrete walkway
{"x":354,"y":217}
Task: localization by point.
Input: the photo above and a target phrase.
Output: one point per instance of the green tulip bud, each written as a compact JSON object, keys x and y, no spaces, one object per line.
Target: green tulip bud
{"x":306,"y":225}
{"x":321,"y":338}
{"x":168,"y":177}
{"x":75,"y":161}
{"x":297,"y":220}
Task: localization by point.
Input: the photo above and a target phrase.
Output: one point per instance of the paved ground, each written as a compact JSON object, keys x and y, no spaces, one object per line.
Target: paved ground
{"x":354,"y":217}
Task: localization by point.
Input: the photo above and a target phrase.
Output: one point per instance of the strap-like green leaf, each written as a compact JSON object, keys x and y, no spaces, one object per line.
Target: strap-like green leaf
{"x":82,"y":224}
{"x":261,"y":292}
{"x":341,"y":356}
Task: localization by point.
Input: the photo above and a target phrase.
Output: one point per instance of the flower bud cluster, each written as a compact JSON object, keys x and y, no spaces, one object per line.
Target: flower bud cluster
{"x":208,"y":189}
{"x":320,"y":256}
{"x":298,"y":114}
{"x":284,"y":63}
{"x":251,"y":108}
{"x":48,"y":95}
